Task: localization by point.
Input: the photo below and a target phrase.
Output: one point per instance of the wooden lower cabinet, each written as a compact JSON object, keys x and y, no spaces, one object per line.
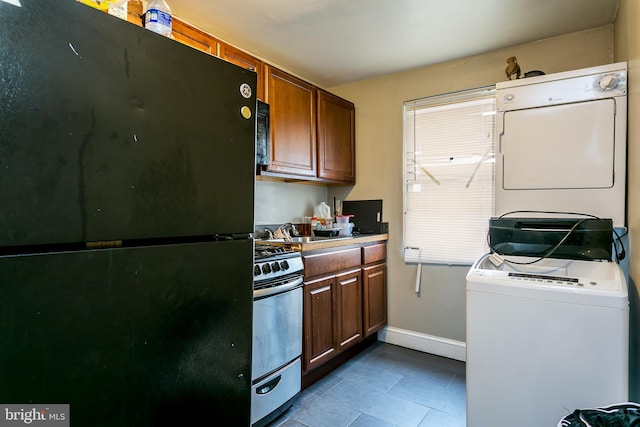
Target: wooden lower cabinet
{"x":349,"y":286}
{"x":332,"y":316}
{"x":374,"y":281}
{"x":320,"y":323}
{"x":345,"y":300}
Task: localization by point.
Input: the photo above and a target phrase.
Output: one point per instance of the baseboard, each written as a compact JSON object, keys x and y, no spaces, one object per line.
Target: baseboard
{"x":439,"y":346}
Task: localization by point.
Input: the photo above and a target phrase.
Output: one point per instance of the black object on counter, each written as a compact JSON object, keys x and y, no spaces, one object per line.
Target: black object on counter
{"x":367,"y":215}
{"x":331,"y":232}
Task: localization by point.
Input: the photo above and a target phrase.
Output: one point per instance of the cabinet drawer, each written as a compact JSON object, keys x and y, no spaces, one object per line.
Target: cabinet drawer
{"x":332,"y":261}
{"x":374,"y":253}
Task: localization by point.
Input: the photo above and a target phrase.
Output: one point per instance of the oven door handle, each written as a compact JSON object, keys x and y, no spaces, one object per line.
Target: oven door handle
{"x":268,"y":387}
{"x":285,"y":287}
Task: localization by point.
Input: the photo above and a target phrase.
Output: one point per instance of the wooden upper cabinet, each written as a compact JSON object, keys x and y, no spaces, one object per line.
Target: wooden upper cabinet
{"x":312,"y":131}
{"x":336,"y":138}
{"x":244,"y":60}
{"x":191,"y":36}
{"x":292,"y":109}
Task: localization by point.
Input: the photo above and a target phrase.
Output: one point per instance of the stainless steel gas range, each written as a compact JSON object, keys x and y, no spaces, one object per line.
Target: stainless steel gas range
{"x":277,"y":332}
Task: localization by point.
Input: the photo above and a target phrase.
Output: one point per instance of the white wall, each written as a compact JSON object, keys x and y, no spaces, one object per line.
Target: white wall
{"x":282,"y":202}
{"x":439,"y":310}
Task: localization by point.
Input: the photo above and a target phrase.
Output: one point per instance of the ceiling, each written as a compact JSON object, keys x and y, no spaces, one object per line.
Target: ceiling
{"x":331,"y":42}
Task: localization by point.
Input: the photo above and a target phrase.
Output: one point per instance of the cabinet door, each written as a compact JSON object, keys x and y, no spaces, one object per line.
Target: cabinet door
{"x":349,"y":312}
{"x":292,"y":104}
{"x":336,"y":138}
{"x":374,"y":281}
{"x":191,"y":36}
{"x":320,"y":328}
{"x":244,"y":60}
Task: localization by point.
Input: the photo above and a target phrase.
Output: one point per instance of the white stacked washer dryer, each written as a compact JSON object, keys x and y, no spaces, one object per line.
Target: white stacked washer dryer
{"x":546,"y":337}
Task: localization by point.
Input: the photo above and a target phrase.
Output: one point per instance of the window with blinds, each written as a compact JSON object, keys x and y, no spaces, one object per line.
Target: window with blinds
{"x":448,"y":176}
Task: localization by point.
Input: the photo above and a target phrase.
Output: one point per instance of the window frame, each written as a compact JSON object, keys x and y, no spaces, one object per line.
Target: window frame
{"x":416,"y":247}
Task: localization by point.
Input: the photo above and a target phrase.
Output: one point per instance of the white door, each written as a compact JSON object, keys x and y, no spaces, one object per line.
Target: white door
{"x":570,"y":146}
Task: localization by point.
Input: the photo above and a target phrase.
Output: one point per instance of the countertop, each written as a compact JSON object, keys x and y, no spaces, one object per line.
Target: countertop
{"x":330,"y":242}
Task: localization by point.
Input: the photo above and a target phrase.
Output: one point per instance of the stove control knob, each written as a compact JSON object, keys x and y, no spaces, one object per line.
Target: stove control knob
{"x":284,"y":265}
{"x":266,"y":269}
{"x":256,"y":270}
{"x":275,"y":266}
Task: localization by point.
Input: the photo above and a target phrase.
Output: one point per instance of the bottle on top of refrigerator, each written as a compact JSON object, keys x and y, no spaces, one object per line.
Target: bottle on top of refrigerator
{"x":158,"y":17}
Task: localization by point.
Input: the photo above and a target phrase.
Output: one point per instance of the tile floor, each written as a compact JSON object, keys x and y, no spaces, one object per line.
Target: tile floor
{"x":383,"y":386}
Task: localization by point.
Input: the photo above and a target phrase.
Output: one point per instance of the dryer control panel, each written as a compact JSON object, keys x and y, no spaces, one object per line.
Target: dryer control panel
{"x":552,"y":90}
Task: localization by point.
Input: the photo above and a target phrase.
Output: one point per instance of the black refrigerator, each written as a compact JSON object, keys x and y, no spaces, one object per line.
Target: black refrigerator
{"x":126,"y":206}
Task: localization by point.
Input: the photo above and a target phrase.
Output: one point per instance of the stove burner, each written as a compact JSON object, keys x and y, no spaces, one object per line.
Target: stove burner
{"x":267,"y":251}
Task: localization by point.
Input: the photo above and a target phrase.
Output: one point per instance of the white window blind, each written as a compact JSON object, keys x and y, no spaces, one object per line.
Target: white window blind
{"x":448,"y":176}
